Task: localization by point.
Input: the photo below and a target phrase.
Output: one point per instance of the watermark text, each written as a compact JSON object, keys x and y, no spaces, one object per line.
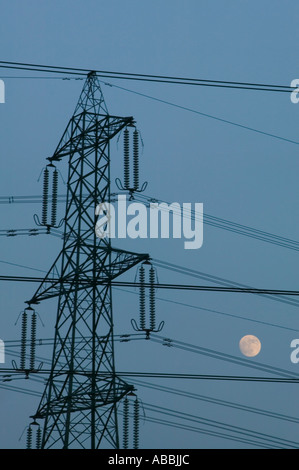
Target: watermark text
{"x":2,"y":352}
{"x":2,"y":91}
{"x":136,"y":220}
{"x":295,"y":93}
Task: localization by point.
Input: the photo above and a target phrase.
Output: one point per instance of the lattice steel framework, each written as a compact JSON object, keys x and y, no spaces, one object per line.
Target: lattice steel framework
{"x":79,"y":403}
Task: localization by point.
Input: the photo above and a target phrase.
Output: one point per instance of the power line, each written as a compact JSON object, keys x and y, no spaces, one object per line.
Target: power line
{"x":22,"y":266}
{"x":150,"y":419}
{"x":180,"y":415}
{"x":203,"y":431}
{"x":225,"y":224}
{"x":216,"y":83}
{"x":185,"y":108}
{"x":8,"y":77}
{"x":208,"y":219}
{"x":217,"y":424}
{"x":189,"y":287}
{"x":233,"y":378}
{"x":33,"y":199}
{"x":222,"y":356}
{"x":31,"y":232}
{"x":190,"y":348}
{"x":219,"y":312}
{"x":200,"y":113}
{"x":174,"y":302}
{"x":216,"y":401}
{"x":168,"y":375}
{"x":148,"y":77}
{"x":20,"y":390}
{"x":200,"y":397}
{"x":75,"y":369}
{"x":186,"y":347}
{"x":217,"y":280}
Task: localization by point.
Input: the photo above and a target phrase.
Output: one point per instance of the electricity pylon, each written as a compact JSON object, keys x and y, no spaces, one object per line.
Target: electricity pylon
{"x":79,"y":403}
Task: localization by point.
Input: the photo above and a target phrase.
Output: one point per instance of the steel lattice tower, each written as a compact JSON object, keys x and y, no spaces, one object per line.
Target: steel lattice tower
{"x":79,"y":403}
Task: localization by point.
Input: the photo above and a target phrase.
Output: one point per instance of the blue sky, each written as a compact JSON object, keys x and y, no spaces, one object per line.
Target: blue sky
{"x":237,"y":174}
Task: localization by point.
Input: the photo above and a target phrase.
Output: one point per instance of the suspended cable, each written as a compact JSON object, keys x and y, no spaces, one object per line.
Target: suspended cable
{"x":234,"y":378}
{"x":148,"y":77}
{"x":188,"y":272}
{"x":223,"y":356}
{"x":209,"y":116}
{"x":223,"y":426}
{"x":8,"y":77}
{"x":204,"y":431}
{"x":29,"y":199}
{"x":176,"y":302}
{"x":227,"y":225}
{"x":208,"y":219}
{"x":189,"y":287}
{"x":216,"y":279}
{"x":218,"y":312}
{"x":155,"y":420}
{"x":169,"y":375}
{"x":31,"y":232}
{"x":216,"y":401}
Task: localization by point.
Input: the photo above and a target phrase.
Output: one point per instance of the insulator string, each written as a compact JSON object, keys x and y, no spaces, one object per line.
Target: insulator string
{"x":152,"y":303}
{"x":33,"y":341}
{"x":45,"y":197}
{"x":136,"y":159}
{"x":142,"y":298}
{"x":126,"y":424}
{"x":126,"y":159}
{"x":136,"y":425}
{"x":54,"y":198}
{"x":39,"y":438}
{"x":29,"y":438}
{"x":23,"y":341}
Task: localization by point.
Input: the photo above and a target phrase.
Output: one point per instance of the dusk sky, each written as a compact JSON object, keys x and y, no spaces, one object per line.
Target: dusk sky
{"x":234,"y":151}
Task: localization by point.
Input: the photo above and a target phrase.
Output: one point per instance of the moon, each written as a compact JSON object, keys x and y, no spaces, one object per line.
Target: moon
{"x":250,"y":345}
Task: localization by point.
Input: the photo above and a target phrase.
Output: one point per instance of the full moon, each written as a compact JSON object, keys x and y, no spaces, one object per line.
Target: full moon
{"x":250,"y":345}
